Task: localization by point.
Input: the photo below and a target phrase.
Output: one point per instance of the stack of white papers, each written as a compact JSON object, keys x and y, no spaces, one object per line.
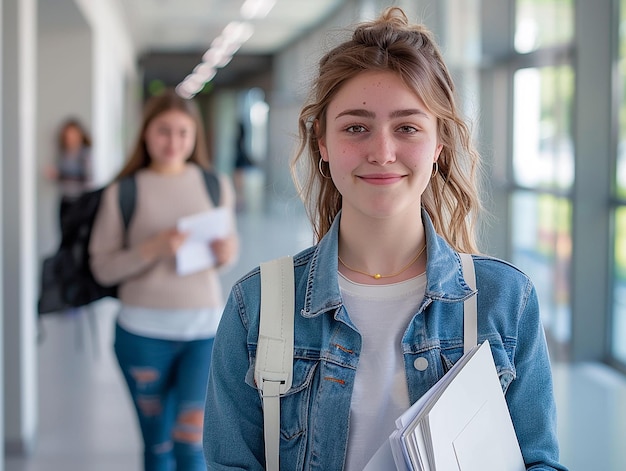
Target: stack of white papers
{"x":195,"y":254}
{"x":462,"y":423}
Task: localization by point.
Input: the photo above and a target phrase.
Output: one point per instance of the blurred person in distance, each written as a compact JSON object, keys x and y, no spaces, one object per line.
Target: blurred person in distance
{"x":73,"y":167}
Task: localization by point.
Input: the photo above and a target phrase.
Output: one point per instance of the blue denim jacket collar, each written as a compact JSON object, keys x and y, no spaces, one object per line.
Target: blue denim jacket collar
{"x":449,"y":284}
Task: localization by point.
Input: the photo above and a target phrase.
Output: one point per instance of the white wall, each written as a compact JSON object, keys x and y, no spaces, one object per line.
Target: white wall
{"x":19,"y":23}
{"x":114,"y":72}
{"x":64,"y":89}
{"x":1,"y":258}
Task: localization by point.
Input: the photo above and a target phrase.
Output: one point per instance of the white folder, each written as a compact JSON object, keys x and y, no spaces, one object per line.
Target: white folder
{"x":462,"y":423}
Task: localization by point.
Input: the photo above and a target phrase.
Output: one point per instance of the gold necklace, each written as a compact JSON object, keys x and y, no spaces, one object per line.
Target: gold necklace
{"x":378,"y":276}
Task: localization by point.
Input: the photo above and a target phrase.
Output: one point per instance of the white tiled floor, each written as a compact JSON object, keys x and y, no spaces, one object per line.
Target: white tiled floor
{"x":591,"y":401}
{"x":86,"y":422}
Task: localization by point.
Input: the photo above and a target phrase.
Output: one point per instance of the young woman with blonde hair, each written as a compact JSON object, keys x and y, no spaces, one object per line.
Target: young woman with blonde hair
{"x":390,"y":187}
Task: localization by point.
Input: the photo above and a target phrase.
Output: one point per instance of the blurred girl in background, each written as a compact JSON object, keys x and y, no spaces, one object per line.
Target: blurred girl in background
{"x":166,"y":323}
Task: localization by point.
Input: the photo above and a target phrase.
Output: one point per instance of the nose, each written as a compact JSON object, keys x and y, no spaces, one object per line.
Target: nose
{"x":172,"y":139}
{"x":382,"y":149}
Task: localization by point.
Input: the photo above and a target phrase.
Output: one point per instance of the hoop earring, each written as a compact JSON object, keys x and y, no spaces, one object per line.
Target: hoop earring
{"x":435,"y":169}
{"x":319,"y":166}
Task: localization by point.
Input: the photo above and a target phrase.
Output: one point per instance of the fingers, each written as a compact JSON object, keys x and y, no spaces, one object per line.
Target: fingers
{"x":174,"y":240}
{"x":166,"y":244}
{"x":163,"y":245}
{"x":224,"y":250}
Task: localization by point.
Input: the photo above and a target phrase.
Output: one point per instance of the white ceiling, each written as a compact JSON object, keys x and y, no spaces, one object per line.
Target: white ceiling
{"x":170,"y":36}
{"x":191,"y":25}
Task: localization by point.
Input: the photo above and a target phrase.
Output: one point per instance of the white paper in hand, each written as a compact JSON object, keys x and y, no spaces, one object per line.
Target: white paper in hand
{"x":470,"y":425}
{"x":461,"y":424}
{"x":195,"y":254}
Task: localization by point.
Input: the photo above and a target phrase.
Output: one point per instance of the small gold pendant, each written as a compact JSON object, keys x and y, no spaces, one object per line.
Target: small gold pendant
{"x":377,"y":276}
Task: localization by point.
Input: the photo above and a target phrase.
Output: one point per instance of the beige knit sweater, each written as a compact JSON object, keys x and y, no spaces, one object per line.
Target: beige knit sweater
{"x":161,"y":201}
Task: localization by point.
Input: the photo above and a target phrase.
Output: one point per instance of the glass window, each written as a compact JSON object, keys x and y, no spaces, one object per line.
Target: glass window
{"x":619,"y":287}
{"x":618,"y":330}
{"x":543,"y":23}
{"x":621,"y":149}
{"x":542,"y":162}
{"x":542,"y":248}
{"x":543,"y":155}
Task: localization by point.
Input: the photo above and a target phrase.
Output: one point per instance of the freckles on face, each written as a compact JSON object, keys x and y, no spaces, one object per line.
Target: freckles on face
{"x":380,"y":143}
{"x":375,"y":116}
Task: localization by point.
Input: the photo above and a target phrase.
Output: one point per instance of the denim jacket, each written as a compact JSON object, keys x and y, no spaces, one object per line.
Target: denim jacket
{"x":315,"y":411}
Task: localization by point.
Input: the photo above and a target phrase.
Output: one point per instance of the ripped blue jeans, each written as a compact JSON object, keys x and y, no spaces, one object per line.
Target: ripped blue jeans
{"x":167,"y":382}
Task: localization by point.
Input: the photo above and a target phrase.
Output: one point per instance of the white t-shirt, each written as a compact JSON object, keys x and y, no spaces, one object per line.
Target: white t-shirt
{"x":381,"y":313}
{"x":170,"y":324}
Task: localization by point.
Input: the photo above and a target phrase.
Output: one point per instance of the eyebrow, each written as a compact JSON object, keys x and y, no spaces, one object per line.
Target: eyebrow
{"x":394,"y":114}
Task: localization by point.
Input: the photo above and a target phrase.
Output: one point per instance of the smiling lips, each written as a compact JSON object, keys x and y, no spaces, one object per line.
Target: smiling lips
{"x":381,"y":179}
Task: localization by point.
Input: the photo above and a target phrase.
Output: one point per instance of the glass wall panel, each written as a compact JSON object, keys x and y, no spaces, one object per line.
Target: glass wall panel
{"x":618,"y":324}
{"x":543,"y":23}
{"x":619,"y":288}
{"x":541,"y":247}
{"x":621,"y":149}
{"x":543,"y":155}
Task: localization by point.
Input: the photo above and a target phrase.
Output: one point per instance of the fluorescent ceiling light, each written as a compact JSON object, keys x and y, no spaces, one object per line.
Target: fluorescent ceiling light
{"x":257,"y":8}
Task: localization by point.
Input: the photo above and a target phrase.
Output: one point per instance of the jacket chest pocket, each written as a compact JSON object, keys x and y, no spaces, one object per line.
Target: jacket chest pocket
{"x":295,"y":404}
{"x":502,"y":355}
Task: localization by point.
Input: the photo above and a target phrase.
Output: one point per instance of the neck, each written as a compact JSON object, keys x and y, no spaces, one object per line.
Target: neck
{"x":384,"y":247}
{"x":167,"y":169}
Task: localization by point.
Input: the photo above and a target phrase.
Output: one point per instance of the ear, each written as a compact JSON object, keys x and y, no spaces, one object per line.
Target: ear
{"x":321,"y":141}
{"x":438,"y":152}
{"x":323,"y":150}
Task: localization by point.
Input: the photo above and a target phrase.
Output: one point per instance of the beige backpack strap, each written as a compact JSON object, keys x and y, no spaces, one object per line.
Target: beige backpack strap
{"x":274,"y":358}
{"x":470,"y":310}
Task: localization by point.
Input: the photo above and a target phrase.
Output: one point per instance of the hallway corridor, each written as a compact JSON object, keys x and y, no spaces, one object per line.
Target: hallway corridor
{"x":86,"y":422}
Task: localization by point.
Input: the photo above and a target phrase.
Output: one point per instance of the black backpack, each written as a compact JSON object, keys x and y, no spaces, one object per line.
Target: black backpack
{"x":66,"y":278}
